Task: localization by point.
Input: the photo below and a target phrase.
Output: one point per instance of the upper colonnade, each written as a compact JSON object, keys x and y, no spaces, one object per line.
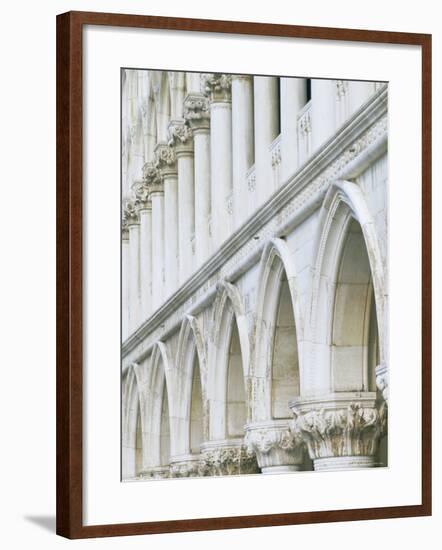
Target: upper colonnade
{"x":201,"y":153}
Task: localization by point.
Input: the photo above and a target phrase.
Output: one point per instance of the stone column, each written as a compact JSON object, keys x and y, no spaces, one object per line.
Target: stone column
{"x":266,"y":112}
{"x":166,"y":164}
{"x":242,"y":143}
{"x":133,"y":223}
{"x":323,"y":117}
{"x":196,"y":113}
{"x":152,"y":179}
{"x":359,"y":92}
{"x":180,"y":135}
{"x":293,"y":98}
{"x":341,"y":430}
{"x":218,"y":88}
{"x":277,"y":449}
{"x":125,"y":258}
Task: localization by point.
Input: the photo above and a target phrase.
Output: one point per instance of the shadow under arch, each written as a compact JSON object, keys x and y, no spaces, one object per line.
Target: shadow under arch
{"x":344,"y":210}
{"x":277,"y":284}
{"x":229,"y":328}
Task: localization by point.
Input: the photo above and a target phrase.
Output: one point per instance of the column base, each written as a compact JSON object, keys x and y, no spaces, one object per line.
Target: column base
{"x":343,"y":463}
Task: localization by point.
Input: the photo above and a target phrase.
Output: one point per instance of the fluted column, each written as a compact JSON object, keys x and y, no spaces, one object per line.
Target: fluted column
{"x":323,"y":117}
{"x":145,"y":212}
{"x":341,"y":430}
{"x":166,"y":164}
{"x":218,"y":88}
{"x":242,"y":142}
{"x":133,"y":223}
{"x":266,"y":115}
{"x":125,"y":258}
{"x":293,"y":98}
{"x":196,"y":112}
{"x":180,"y":135}
{"x":156,"y":190}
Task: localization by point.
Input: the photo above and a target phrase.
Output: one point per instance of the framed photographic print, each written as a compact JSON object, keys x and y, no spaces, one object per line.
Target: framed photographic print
{"x":243,"y":274}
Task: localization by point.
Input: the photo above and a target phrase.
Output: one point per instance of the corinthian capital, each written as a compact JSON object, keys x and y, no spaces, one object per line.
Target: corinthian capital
{"x":165,"y":159}
{"x":340,"y":426}
{"x":130,"y":213}
{"x":141,"y":191}
{"x":217,"y":86}
{"x":180,"y":136}
{"x":196,"y":111}
{"x":275,"y":446}
{"x":226,"y":457}
{"x":152,"y":178}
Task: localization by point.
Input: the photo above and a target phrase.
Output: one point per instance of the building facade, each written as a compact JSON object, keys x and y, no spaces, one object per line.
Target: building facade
{"x":254,"y":274}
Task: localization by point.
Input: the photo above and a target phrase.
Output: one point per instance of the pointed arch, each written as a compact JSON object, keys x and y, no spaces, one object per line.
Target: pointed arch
{"x":274,"y":381}
{"x":344,"y":212}
{"x":191,"y":362}
{"x":132,"y":425}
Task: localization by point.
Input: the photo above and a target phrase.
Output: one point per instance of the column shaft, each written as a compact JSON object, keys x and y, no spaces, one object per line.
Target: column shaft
{"x":202,"y":195}
{"x":242,"y":142}
{"x":125,"y":284}
{"x":157,"y":248}
{"x":134,"y":275}
{"x":266,"y":130}
{"x":171,"y":233}
{"x":323,"y":110}
{"x":293,"y":98}
{"x":146,"y":261}
{"x":186,"y":212}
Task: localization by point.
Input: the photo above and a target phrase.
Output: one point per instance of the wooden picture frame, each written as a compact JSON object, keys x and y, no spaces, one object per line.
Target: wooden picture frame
{"x":70,"y":272}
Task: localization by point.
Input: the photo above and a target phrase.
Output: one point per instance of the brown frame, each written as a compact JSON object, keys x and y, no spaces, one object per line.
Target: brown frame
{"x":69,"y":273}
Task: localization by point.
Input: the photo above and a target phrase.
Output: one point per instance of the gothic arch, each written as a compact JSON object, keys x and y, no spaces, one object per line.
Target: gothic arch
{"x":344,"y":211}
{"x":277,"y":274}
{"x":132,"y":428}
{"x":228,"y":321}
{"x":191,"y":362}
{"x":159,"y":404}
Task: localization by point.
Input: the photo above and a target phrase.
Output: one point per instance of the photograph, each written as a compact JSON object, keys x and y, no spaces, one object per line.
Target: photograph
{"x":254,"y":274}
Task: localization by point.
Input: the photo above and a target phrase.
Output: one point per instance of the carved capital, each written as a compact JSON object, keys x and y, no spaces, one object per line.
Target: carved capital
{"x":141,"y":191}
{"x":275,"y":445}
{"x":227,"y":457}
{"x":165,"y":159}
{"x":382,"y":380}
{"x":185,"y":466}
{"x":152,"y":178}
{"x":340,"y":425}
{"x":181,"y":137}
{"x":130,"y":213}
{"x":157,"y":472}
{"x":196,"y":111}
{"x":217,"y":87}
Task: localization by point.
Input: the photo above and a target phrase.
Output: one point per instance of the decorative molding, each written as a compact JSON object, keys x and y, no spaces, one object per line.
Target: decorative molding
{"x":227,"y":457}
{"x":186,"y":466}
{"x":339,"y":425}
{"x":157,"y":472}
{"x":217,"y":87}
{"x":274,"y":444}
{"x":142,"y":194}
{"x":196,"y":112}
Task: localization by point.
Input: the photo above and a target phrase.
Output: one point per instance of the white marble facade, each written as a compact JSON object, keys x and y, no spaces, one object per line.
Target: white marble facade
{"x":254,"y":274}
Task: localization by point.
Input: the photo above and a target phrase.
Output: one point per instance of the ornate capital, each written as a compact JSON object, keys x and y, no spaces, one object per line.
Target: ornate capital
{"x":340,"y":425}
{"x":275,"y":445}
{"x":152,"y":178}
{"x":141,"y":191}
{"x":180,"y":136}
{"x":227,"y":457}
{"x":165,"y":159}
{"x":156,"y":472}
{"x":217,"y":87}
{"x":382,"y":380}
{"x":196,"y":111}
{"x":130,"y":213}
{"x":186,"y":466}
